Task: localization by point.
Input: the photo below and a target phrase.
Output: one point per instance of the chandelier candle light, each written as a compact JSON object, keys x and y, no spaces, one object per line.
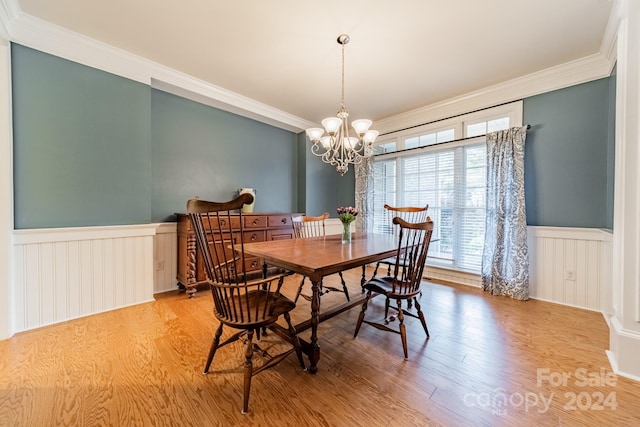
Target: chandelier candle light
{"x":339,"y":147}
{"x":347,"y":215}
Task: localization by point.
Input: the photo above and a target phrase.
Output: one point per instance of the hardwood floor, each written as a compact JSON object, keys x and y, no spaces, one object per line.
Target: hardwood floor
{"x":490,"y":361}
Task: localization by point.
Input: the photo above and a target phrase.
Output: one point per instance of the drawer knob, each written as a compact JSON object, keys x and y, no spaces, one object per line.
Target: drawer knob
{"x":256,"y":221}
{"x":223,"y":222}
{"x":254,"y":264}
{"x":284,"y":220}
{"x":254,"y":236}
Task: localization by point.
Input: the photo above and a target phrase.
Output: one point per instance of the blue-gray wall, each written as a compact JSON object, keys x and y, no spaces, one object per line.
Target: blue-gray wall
{"x":568,"y":159}
{"x":91,"y":148}
{"x":198,"y":150}
{"x":81,"y":144}
{"x":325,"y":188}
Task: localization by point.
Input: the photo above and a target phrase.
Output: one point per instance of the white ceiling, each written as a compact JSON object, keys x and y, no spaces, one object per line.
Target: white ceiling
{"x":403,"y":54}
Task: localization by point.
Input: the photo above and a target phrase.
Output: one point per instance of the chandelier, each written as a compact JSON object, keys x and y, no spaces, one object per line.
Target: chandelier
{"x":337,"y":147}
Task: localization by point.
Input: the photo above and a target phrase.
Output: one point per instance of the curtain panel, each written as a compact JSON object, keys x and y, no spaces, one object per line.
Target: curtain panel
{"x":505,"y":259}
{"x":364,"y":192}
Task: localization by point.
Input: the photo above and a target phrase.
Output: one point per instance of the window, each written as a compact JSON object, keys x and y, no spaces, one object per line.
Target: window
{"x":451,"y":178}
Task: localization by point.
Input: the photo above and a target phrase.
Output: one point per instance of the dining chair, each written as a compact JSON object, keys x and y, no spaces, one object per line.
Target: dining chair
{"x":404,"y":283}
{"x":314,"y":226}
{"x":239,"y":302}
{"x":407,"y":213}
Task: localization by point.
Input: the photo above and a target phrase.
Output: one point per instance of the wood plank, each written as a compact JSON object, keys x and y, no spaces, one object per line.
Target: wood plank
{"x":142,"y":365}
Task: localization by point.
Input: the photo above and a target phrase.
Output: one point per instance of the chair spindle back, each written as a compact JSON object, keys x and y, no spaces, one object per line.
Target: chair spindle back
{"x":219,"y":231}
{"x":411,"y":214}
{"x":413,"y":246}
{"x":309,"y":226}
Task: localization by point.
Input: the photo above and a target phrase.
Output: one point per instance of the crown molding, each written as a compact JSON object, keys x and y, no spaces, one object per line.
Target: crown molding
{"x":571,"y":73}
{"x":7,"y":13}
{"x":44,"y":36}
{"x":199,"y":91}
{"x":582,"y":70}
{"x":49,"y":38}
{"x":608,"y":47}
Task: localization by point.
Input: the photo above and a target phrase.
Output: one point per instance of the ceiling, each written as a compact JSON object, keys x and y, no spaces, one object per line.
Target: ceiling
{"x":403,"y":54}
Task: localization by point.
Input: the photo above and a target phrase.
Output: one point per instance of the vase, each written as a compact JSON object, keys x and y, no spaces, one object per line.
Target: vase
{"x":248,"y":208}
{"x":346,"y":232}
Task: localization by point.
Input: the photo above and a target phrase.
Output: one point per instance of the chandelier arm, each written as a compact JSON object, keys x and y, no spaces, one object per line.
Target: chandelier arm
{"x":339,"y":147}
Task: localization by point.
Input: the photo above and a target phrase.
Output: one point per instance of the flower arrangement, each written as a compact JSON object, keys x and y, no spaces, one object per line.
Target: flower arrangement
{"x":347,"y":215}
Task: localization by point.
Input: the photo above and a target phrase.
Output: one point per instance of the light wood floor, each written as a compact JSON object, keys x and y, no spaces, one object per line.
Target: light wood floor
{"x":489,"y":362}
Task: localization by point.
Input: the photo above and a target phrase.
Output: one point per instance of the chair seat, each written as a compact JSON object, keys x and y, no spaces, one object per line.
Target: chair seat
{"x":384,"y":285}
{"x":278,"y":305}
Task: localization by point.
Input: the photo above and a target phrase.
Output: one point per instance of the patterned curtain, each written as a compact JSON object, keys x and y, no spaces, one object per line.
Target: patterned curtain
{"x":364,"y":187}
{"x":505,"y":260}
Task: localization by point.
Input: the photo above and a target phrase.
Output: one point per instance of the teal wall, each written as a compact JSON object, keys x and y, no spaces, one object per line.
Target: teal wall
{"x":568,"y":159}
{"x":91,"y":148}
{"x":326,"y":189}
{"x":81,"y":144}
{"x":202,"y":151}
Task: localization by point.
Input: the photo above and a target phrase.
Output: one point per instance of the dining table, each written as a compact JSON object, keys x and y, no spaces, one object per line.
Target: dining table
{"x":316,"y":257}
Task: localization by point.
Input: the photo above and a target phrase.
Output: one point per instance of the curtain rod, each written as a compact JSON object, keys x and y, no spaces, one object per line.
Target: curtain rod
{"x":451,"y":117}
{"x":437,"y":143}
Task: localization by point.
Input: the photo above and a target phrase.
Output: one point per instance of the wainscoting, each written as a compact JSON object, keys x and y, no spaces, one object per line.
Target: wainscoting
{"x":571,"y":266}
{"x":61,"y":274}
{"x":165,"y":246}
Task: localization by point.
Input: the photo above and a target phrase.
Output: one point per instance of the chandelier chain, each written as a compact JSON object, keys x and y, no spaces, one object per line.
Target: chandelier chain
{"x":342,"y":101}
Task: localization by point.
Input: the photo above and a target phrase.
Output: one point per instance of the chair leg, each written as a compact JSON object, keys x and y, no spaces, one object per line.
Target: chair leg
{"x":248,"y":372}
{"x":296,"y":340}
{"x":299,"y":289}
{"x":421,"y":316}
{"x":214,"y":347}
{"x":403,"y":330}
{"x":344,"y":286}
{"x":386,"y":310}
{"x":361,"y":316}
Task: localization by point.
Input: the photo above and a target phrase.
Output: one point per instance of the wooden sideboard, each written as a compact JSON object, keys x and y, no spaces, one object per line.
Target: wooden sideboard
{"x":257,"y":227}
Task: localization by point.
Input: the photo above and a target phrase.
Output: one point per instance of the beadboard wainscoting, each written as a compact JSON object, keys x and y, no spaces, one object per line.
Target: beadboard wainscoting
{"x":571,"y":266}
{"x":165,"y":256}
{"x":334,"y":226}
{"x":61,"y":274}
{"x":65,"y":273}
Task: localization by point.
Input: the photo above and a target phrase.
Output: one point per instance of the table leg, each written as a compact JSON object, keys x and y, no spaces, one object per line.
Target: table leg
{"x":314,"y":351}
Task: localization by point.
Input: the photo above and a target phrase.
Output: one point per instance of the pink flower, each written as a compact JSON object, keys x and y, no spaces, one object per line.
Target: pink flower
{"x":347,"y":214}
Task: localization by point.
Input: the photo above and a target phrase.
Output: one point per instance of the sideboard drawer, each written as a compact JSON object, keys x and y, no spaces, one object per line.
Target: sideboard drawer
{"x":280,"y":234}
{"x":254,"y":236}
{"x":279,"y":221}
{"x":254,"y":221}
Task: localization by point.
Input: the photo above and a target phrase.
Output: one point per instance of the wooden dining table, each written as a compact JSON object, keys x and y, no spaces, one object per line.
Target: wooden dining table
{"x":316,"y":257}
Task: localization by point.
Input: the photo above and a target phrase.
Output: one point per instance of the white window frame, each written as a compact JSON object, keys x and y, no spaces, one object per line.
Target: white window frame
{"x":459,"y":124}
